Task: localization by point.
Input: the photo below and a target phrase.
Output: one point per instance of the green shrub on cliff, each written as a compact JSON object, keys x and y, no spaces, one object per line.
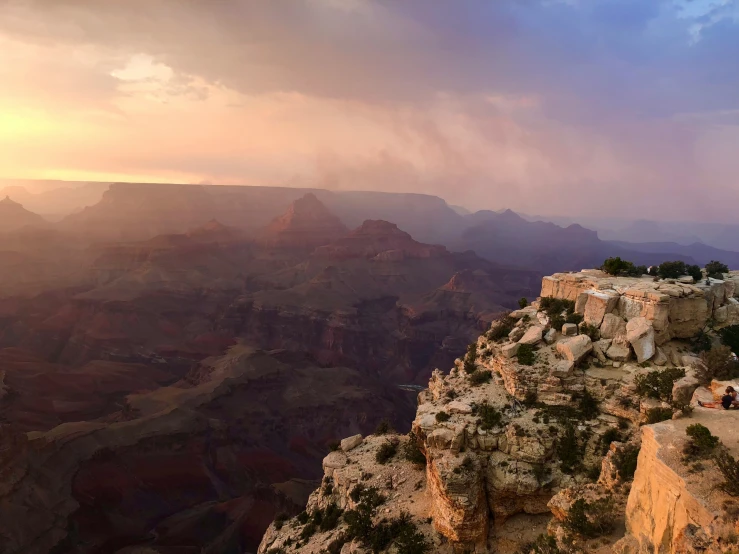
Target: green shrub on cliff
{"x":716,"y":270}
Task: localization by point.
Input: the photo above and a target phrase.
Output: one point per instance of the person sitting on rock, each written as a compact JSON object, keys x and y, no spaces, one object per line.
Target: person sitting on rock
{"x":728,"y":400}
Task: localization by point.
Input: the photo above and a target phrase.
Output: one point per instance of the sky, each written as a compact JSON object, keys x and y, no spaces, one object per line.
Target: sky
{"x":560,"y":107}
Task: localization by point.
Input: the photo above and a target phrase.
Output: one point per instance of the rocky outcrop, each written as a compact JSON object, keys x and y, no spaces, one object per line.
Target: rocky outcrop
{"x":671,"y":509}
{"x":15,"y":216}
{"x":307,"y":224}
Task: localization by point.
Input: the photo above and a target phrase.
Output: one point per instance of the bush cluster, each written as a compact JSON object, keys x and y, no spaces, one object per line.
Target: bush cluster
{"x":591,"y":519}
{"x":625,"y":461}
{"x":470,"y":358}
{"x":623,"y":268}
{"x":385,"y":453}
{"x":716,"y":270}
{"x":479,"y":377}
{"x":384,"y":427}
{"x":523,"y":302}
{"x":569,"y":450}
{"x":526,"y":355}
{"x":413,"y":453}
{"x":730,"y":337}
{"x":442,"y":416}
{"x":588,"y":405}
{"x":657,"y":415}
{"x":729,"y":468}
{"x":488,"y":416}
{"x":501,"y":327}
{"x":718,"y":363}
{"x":701,"y":442}
{"x":658,"y":384}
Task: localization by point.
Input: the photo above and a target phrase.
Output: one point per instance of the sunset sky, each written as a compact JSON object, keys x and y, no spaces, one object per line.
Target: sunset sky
{"x":545,"y":106}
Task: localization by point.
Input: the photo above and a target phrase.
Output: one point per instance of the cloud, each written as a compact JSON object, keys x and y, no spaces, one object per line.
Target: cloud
{"x":574,"y":105}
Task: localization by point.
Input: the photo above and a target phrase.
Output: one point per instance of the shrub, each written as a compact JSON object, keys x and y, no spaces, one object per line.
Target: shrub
{"x":280,"y":520}
{"x":544,"y":544}
{"x":718,"y":363}
{"x":470,"y":358}
{"x":303,"y":518}
{"x":695,"y":272}
{"x":526,"y":355}
{"x":574,"y":318}
{"x":334,"y":446}
{"x":555,"y":306}
{"x":522,"y":303}
{"x":617,"y":266}
{"x":384,"y":427}
{"x":611,"y":435}
{"x":591,"y":519}
{"x":488,"y":416}
{"x":588,"y":405}
{"x":413,"y":453}
{"x":442,"y":416}
{"x":701,"y":443}
{"x":672,"y":270}
{"x":658,"y":384}
{"x":568,"y":450}
{"x":331,"y":516}
{"x":729,"y":469}
{"x":530,"y":398}
{"x":625,"y":461}
{"x":480,"y":377}
{"x":716,"y":270}
{"x":590,"y":330}
{"x":557,"y":321}
{"x":386,"y":452}
{"x":730,"y":337}
{"x":501,"y":327}
{"x":656,"y":415}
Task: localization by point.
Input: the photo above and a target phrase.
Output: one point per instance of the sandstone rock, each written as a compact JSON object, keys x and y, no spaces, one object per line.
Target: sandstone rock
{"x":675,"y":358}
{"x":660,"y":358}
{"x":562,"y":369}
{"x":513,"y":488}
{"x":597,"y":305}
{"x":575,"y":348}
{"x":551,"y":336}
{"x":350,"y":443}
{"x":527,"y":311}
{"x":569,"y":329}
{"x":618,"y":353}
{"x":334,"y":460}
{"x":532,"y":335}
{"x":612,"y":327}
{"x":640,"y":334}
{"x":450,"y":437}
{"x":516,"y":334}
{"x":683,"y":389}
{"x":599,"y":352}
{"x":457,"y":407}
{"x":510,"y":350}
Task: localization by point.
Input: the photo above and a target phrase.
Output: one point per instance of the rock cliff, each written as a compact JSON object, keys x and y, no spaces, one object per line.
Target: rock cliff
{"x":550,"y":418}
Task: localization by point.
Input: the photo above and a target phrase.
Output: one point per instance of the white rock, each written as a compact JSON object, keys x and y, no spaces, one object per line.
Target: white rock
{"x":532,"y":336}
{"x":618,"y":353}
{"x":457,"y":407}
{"x":612,"y":327}
{"x":563,"y":368}
{"x":551,"y":336}
{"x":569,"y":329}
{"x":660,"y":358}
{"x":510,"y":350}
{"x":516,"y":334}
{"x":640,"y":334}
{"x":576,"y":348}
{"x":350,"y":443}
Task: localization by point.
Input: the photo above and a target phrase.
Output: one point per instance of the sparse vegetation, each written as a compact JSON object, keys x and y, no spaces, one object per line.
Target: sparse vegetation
{"x":611,"y":435}
{"x":413,"y":453}
{"x":280,"y":520}
{"x":488,"y":416}
{"x":569,"y":451}
{"x":384,"y":427}
{"x":591,"y":519}
{"x":470,"y":358}
{"x":730,"y":337}
{"x":658,"y":384}
{"x":501,"y":327}
{"x":716,"y":270}
{"x":526,"y":355}
{"x":718,"y":363}
{"x":522,"y":303}
{"x":656,"y":415}
{"x":588,"y":405}
{"x":574,"y":318}
{"x":479,"y":377}
{"x":590,"y":330}
{"x":442,"y":416}
{"x":701,"y":442}
{"x":729,"y":468}
{"x":544,"y":544}
{"x":530,"y":398}
{"x":625,"y":461}
{"x":386,"y":451}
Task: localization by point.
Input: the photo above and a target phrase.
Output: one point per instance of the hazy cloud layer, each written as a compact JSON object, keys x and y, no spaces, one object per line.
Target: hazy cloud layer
{"x":539,"y":105}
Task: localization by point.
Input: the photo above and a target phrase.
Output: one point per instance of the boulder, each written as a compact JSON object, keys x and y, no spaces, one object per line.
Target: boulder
{"x":576,"y":348}
{"x":457,"y":407}
{"x":562,"y":369}
{"x":350,"y":443}
{"x":532,"y":335}
{"x":660,"y":358}
{"x":516,"y":334}
{"x":551,"y":336}
{"x":640,"y":334}
{"x":510,"y":350}
{"x":683,"y":389}
{"x":618,"y":352}
{"x":597,"y":305}
{"x":599,"y":353}
{"x":612,"y":327}
{"x":569,"y":329}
